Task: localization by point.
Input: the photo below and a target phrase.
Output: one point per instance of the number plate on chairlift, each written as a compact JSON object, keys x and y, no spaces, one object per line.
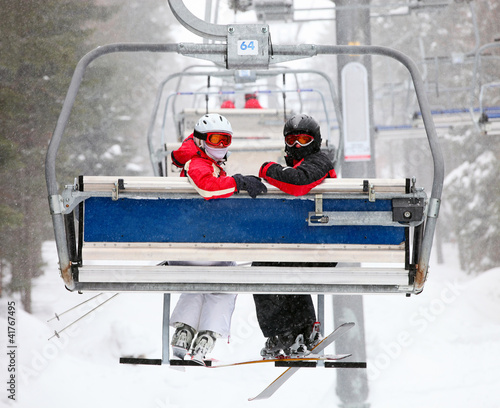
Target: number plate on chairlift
{"x":248,"y":47}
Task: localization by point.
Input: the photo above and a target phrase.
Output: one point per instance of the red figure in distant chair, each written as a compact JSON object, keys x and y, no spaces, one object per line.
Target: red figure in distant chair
{"x":251,"y":102}
{"x":227,"y":104}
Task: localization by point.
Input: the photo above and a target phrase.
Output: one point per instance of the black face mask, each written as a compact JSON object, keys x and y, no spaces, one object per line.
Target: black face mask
{"x":301,"y":152}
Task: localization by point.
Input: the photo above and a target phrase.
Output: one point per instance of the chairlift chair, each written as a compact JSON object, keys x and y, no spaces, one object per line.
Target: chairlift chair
{"x":112,"y":231}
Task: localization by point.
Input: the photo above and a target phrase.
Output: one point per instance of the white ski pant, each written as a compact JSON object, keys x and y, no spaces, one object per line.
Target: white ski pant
{"x":205,"y":311}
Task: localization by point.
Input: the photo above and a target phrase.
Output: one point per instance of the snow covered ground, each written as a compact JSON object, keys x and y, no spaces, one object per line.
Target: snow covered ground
{"x":438,"y":349}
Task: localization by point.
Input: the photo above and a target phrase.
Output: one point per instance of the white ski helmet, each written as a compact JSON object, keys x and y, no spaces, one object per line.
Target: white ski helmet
{"x":211,"y":122}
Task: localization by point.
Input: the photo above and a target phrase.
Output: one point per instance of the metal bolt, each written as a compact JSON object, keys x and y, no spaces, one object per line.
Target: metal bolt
{"x":264,"y":30}
{"x":230,"y":30}
{"x":407,"y":214}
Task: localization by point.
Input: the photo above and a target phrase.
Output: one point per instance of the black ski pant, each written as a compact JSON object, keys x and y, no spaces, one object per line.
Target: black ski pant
{"x":284,"y":314}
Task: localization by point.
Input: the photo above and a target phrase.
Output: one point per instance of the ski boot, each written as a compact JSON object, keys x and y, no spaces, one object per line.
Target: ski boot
{"x":315,"y":337}
{"x":292,"y":344}
{"x":299,"y":348}
{"x":181,"y":340}
{"x":274,"y":348}
{"x":306,"y":341}
{"x":204,"y":344}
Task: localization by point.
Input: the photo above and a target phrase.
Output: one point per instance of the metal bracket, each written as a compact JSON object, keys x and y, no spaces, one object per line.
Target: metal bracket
{"x":406,"y":210}
{"x":56,"y":204}
{"x":362,"y":218}
{"x":318,"y":204}
{"x":115,"y":192}
{"x":371,"y":193}
{"x":318,"y":217}
{"x":118,"y":186}
{"x":248,"y":46}
{"x":434,"y":205}
{"x":71,"y":197}
{"x":370,"y":189}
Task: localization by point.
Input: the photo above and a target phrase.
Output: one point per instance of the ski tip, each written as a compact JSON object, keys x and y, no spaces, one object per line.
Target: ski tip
{"x":337,"y":357}
{"x":256,"y":398}
{"x":346,"y":326}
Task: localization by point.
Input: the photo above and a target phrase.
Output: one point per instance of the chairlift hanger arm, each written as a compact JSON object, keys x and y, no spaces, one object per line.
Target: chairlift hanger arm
{"x":196,"y":25}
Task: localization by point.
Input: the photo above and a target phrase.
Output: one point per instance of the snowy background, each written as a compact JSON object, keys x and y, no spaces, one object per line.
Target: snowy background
{"x":438,"y":349}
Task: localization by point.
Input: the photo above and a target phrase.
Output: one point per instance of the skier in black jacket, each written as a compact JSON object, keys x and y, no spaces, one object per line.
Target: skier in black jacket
{"x":289,"y":321}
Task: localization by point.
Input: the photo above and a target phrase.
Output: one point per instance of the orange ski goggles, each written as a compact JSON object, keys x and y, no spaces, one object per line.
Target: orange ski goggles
{"x":302,"y":139}
{"x":217,"y":139}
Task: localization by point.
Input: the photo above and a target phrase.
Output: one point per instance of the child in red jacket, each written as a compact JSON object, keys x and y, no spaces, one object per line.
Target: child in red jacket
{"x":200,"y":318}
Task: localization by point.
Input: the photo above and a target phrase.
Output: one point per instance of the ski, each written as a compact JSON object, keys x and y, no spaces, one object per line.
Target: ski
{"x":191,"y":363}
{"x":278,"y":382}
{"x":309,"y":357}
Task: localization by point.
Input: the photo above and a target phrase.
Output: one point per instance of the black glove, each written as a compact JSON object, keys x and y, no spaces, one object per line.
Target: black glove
{"x":251,"y":184}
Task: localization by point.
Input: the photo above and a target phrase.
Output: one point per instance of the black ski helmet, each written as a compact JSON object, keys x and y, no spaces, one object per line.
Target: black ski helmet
{"x":302,"y":123}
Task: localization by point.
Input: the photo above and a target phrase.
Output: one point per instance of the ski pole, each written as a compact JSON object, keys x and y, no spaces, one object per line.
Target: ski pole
{"x":74,"y":307}
{"x":57,"y":333}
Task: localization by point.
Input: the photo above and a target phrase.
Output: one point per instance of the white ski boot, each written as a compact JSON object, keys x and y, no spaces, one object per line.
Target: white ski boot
{"x":203,"y":344}
{"x":181,"y":340}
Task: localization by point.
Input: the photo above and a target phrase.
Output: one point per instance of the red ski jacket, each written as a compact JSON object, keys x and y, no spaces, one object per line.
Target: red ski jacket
{"x":302,"y":177}
{"x":208,"y":178}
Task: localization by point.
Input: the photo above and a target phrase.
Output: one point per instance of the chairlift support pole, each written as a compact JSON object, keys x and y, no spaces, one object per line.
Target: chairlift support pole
{"x":354,"y":25}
